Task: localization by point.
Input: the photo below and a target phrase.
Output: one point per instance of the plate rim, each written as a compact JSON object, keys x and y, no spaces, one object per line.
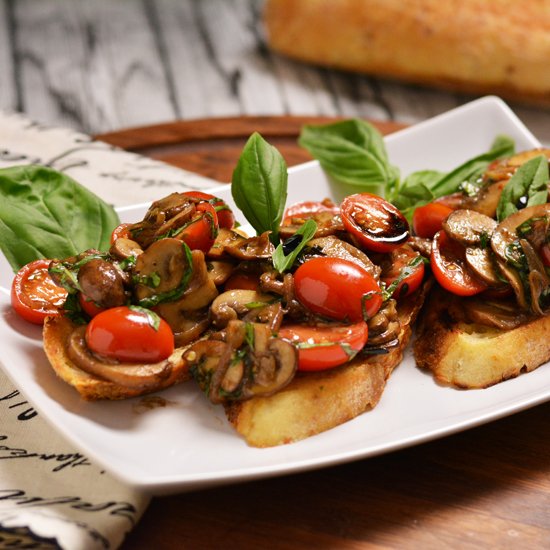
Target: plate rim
{"x":159,"y":485}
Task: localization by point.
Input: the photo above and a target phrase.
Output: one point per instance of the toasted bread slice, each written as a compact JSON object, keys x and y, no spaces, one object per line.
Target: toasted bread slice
{"x":56,"y":334}
{"x":471,"y":355}
{"x":316,"y":402}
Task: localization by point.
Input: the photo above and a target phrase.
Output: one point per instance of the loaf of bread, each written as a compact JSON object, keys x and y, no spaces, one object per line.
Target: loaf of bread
{"x":477,"y":46}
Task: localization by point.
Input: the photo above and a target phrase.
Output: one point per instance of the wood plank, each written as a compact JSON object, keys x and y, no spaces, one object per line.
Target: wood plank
{"x":98,"y":66}
{"x":113,"y":64}
{"x":8,"y":67}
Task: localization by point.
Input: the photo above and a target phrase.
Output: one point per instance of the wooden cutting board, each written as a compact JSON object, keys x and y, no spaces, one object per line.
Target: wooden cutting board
{"x":485,"y":488}
{"x":211,"y":147}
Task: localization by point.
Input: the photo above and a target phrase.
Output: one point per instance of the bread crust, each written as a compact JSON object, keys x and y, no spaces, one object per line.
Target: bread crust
{"x":56,"y":332}
{"x":500,"y":47}
{"x":316,"y":402}
{"x":473,"y":356}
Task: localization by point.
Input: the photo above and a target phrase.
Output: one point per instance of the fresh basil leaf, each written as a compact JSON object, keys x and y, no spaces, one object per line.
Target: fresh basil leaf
{"x":46,"y":214}
{"x":502,"y":146}
{"x":259,"y":185}
{"x":353,"y":152}
{"x":527,"y":187}
{"x":415,"y":191}
{"x":283,"y":261}
{"x":424,"y":186}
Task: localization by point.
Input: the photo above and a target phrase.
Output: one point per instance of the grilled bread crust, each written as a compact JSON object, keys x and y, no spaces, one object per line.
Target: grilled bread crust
{"x":316,"y":402}
{"x":468,"y":355}
{"x":56,"y":333}
{"x":466,"y":45}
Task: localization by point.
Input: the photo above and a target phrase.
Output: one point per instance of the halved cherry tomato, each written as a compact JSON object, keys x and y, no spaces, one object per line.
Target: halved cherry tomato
{"x":200,"y":233}
{"x":545,"y":254}
{"x":34,"y":295}
{"x":242,"y":281}
{"x":309,"y":208}
{"x":226,"y":219}
{"x":89,"y":306}
{"x":130,"y":335}
{"x":322,"y":347}
{"x":119,"y":231}
{"x":450,"y":269}
{"x":427,"y":219}
{"x":376,"y":223}
{"x":337,"y":288}
{"x":405,"y":269}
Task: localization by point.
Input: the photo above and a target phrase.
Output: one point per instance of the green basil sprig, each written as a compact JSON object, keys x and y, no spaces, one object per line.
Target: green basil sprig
{"x":259,"y":185}
{"x":527,"y":187}
{"x":46,"y":214}
{"x":424,"y":186}
{"x":351,"y":151}
{"x":283,"y":261}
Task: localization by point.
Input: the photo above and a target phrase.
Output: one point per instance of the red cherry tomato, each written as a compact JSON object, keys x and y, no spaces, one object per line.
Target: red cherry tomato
{"x":121,"y":230}
{"x":200,"y":233}
{"x":406,"y":269}
{"x":545,"y":254}
{"x":427,"y":219}
{"x":34,"y":295}
{"x":374,"y":222}
{"x":130,"y":335}
{"x":242,"y":281}
{"x":337,"y":288}
{"x":307,"y":209}
{"x":89,"y":306}
{"x":322,"y":347}
{"x":226,"y":219}
{"x":450,"y":269}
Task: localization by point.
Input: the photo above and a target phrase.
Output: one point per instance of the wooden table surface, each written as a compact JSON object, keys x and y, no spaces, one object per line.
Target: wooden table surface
{"x":99,"y":66}
{"x":488,"y":487}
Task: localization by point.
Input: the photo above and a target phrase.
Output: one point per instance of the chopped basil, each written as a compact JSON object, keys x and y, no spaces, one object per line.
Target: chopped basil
{"x":249,"y":335}
{"x":282,"y":260}
{"x":350,"y":352}
{"x":175,"y":293}
{"x":527,"y":187}
{"x":364,"y":299}
{"x":152,"y":281}
{"x":387,"y":292}
{"x":152,"y":318}
{"x":73,"y":311}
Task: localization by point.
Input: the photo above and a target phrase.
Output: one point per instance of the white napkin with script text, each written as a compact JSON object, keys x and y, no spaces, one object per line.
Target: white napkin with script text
{"x":51,"y":496}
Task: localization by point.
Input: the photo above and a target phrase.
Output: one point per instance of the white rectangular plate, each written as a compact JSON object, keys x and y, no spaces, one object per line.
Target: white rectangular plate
{"x":188,"y":444}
